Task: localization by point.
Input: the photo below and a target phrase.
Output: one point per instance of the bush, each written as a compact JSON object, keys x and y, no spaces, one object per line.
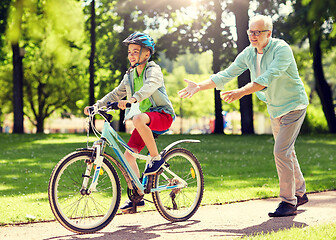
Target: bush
{"x":315,"y":121}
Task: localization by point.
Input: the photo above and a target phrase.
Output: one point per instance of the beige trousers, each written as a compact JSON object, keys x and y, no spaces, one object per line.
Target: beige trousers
{"x":285,"y":131}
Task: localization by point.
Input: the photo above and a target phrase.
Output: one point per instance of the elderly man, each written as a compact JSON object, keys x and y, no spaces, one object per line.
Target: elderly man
{"x":276,"y":81}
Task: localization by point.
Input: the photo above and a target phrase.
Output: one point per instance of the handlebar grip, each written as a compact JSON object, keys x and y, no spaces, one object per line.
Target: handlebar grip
{"x":90,"y":110}
{"x":114,"y":105}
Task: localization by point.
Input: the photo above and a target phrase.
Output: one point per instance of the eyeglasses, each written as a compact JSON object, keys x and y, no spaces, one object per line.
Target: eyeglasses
{"x":255,"y":33}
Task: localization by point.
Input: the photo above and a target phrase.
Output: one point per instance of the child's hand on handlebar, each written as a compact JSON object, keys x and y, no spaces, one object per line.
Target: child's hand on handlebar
{"x":122,"y":103}
{"x":87,"y":109}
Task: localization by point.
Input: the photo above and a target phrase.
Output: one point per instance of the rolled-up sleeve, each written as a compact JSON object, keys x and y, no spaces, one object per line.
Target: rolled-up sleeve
{"x":234,"y":70}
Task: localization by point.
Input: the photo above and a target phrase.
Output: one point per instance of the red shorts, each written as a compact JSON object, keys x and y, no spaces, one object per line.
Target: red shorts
{"x":158,"y":122}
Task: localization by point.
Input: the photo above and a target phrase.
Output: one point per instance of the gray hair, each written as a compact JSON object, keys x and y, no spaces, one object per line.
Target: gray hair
{"x":266,"y":19}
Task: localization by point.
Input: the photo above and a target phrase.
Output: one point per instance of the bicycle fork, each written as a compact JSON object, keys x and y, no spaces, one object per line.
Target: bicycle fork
{"x":97,"y":160}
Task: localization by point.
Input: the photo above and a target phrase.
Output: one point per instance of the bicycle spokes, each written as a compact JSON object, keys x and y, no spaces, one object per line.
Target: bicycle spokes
{"x":179,"y":187}
{"x":77,"y":208}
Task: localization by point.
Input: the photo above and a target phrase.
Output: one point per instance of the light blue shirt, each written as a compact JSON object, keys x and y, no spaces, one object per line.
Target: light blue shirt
{"x":284,"y":90}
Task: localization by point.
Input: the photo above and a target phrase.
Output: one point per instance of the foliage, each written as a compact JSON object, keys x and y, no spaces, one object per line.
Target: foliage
{"x":195,"y":67}
{"x":235,"y":168}
{"x":53,"y":32}
{"x":201,"y":104}
{"x":313,"y":122}
{"x":4,"y":10}
{"x":54,"y":61}
{"x":6,"y":85}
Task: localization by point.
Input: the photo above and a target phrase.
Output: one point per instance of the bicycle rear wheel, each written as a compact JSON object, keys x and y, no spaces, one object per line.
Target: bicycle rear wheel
{"x":76,"y":210}
{"x":179,"y":204}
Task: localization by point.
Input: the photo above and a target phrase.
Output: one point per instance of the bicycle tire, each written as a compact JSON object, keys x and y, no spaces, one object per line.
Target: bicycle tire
{"x":179,"y":204}
{"x":80,"y":213}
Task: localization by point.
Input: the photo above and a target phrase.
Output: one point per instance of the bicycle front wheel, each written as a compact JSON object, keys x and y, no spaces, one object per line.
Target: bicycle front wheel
{"x":179,"y":204}
{"x":76,"y":209}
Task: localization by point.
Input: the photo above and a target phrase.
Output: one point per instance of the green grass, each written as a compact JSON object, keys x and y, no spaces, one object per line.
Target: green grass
{"x":235,"y":168}
{"x":317,"y":232}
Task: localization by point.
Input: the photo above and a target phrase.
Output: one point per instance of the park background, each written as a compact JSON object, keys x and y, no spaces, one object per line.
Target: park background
{"x":58,"y":56}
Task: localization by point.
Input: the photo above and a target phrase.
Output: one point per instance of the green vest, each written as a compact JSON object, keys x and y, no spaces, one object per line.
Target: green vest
{"x":138,"y":83}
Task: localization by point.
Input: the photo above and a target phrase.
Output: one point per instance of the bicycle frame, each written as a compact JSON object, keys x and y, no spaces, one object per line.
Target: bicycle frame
{"x":109,"y":136}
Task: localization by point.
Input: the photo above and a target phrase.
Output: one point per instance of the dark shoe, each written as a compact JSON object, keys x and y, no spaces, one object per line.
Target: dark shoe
{"x":301,"y":200}
{"x":129,"y":204}
{"x":154,"y":166}
{"x":284,"y":209}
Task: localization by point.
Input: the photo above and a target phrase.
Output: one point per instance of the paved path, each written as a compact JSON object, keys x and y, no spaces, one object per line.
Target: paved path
{"x":210,"y":222}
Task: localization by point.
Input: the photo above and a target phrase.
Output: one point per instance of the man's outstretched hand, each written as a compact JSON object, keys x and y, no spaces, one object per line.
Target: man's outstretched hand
{"x":190,"y":90}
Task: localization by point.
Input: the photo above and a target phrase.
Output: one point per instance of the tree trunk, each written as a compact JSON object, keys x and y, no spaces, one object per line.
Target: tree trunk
{"x":39,"y":124}
{"x":1,"y":128}
{"x":240,"y":10}
{"x":17,"y":89}
{"x":124,"y":63}
{"x":41,"y":102}
{"x":92,"y":58}
{"x":219,"y":124}
{"x":322,"y":88}
{"x":122,"y":127}
{"x":92,"y":54}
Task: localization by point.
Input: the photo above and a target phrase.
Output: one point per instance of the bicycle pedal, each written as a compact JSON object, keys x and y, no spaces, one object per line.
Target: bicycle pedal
{"x":128,"y":211}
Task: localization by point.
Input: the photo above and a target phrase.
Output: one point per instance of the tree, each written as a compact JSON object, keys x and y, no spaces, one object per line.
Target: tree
{"x":92,"y":53}
{"x":17,"y":67}
{"x":54,"y":57}
{"x":18,"y":54}
{"x":312,"y":21}
{"x":4,"y":11}
{"x":240,"y":9}
{"x":216,"y":65}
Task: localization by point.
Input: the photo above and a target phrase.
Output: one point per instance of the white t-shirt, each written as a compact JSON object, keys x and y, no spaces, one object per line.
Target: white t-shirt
{"x":259,"y":56}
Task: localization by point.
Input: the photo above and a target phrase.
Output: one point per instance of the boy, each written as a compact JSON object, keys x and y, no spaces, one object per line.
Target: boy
{"x":143,"y":83}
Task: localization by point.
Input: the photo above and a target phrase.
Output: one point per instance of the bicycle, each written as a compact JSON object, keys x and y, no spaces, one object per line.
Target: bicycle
{"x":82,"y":204}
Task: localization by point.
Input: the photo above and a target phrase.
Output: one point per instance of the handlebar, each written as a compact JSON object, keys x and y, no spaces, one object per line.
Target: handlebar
{"x":114,"y":105}
{"x":109,"y":106}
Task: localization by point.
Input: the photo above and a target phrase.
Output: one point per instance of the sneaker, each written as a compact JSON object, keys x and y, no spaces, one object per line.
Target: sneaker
{"x":284,"y":209}
{"x":154,"y":166}
{"x":129,"y":204}
{"x":301,"y":200}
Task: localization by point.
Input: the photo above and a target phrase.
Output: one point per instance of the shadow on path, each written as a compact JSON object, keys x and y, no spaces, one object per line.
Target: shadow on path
{"x":182,"y":228}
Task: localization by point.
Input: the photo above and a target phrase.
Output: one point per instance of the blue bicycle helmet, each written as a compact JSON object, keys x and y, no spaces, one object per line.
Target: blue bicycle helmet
{"x":141,"y":39}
